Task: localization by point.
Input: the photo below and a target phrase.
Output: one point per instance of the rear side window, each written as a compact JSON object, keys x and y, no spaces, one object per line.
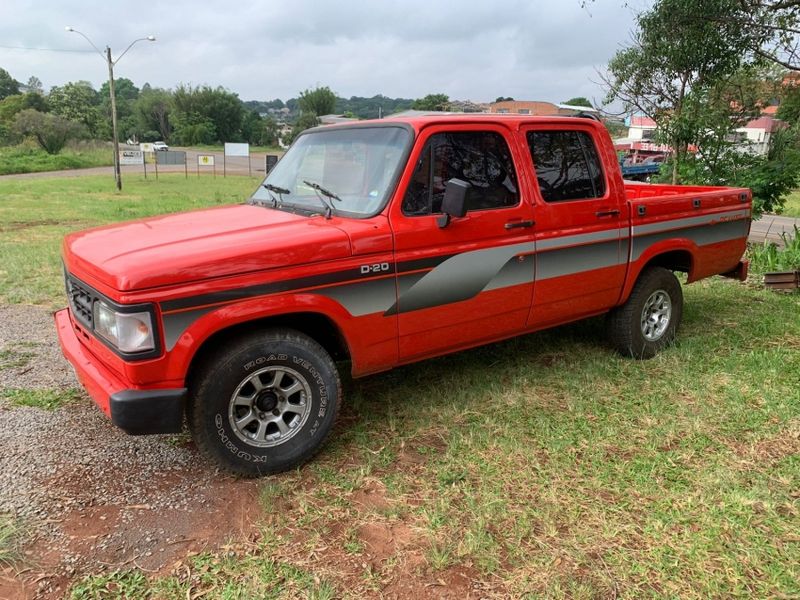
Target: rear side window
{"x":567,"y":165}
{"x":481,"y":158}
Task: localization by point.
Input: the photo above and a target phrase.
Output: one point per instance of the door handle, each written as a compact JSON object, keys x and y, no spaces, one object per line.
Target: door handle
{"x":518,"y":224}
{"x":607,"y":213}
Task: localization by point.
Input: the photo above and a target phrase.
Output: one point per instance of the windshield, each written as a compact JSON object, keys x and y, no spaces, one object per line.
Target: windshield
{"x":358,"y":166}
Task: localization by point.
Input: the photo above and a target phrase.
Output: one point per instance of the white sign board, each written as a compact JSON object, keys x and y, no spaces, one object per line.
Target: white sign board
{"x":237,"y":149}
{"x":131,"y":157}
{"x":146,"y":147}
{"x":205,"y":160}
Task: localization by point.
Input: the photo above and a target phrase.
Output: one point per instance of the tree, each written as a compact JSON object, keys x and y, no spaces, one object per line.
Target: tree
{"x":11,"y":105}
{"x":218,"y":112}
{"x":579,"y":101}
{"x":270,"y":132}
{"x":306,"y":121}
{"x":789,"y":110}
{"x":437,"y":102}
{"x":77,"y":101}
{"x":34,"y":85}
{"x":50,"y":131}
{"x":319,"y":101}
{"x":8,"y":85}
{"x":666,"y":63}
{"x":252,"y":127}
{"x":504,"y":99}
{"x":153,"y":110}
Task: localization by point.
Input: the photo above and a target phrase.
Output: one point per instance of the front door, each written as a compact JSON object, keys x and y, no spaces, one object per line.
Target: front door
{"x":472,"y":280}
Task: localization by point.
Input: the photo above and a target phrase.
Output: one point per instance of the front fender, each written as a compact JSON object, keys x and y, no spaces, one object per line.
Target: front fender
{"x":371,"y":339}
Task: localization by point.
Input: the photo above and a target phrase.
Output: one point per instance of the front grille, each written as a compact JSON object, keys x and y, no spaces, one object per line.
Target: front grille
{"x":80,"y":301}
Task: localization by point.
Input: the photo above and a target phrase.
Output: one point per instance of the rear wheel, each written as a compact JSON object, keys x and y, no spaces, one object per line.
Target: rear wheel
{"x":265,"y":403}
{"x":648,"y":322}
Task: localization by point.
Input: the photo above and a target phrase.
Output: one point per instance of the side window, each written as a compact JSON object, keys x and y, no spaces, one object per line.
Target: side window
{"x":567,"y":165}
{"x":481,"y":158}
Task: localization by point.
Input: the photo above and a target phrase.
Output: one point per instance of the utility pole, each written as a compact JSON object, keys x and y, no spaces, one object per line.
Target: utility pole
{"x":117,"y":170}
{"x":111,"y":63}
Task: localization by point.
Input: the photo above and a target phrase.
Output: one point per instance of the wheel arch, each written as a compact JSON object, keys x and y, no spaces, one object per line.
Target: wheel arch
{"x":318,"y":326}
{"x":681,"y":259}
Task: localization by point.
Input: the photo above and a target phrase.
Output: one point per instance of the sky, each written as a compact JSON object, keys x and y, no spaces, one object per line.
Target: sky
{"x":469,"y":50}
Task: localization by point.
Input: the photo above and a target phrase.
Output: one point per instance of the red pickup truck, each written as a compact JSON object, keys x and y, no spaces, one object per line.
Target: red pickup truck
{"x":380,"y":243}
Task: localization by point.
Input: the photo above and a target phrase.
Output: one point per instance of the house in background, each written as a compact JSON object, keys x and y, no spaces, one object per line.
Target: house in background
{"x":534,"y":107}
{"x":755,"y":136}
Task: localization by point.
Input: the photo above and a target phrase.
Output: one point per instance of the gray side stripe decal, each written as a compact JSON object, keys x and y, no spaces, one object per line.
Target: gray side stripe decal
{"x":702,"y":236}
{"x":176,"y":323}
{"x":690,"y":222}
{"x":363,"y":298}
{"x":578,"y":259}
{"x":465,"y":275}
{"x":514,"y":272}
{"x":458,"y":278}
{"x":582,"y":238}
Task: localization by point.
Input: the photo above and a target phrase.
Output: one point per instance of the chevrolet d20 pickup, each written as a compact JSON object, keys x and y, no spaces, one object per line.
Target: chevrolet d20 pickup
{"x":379,"y":243}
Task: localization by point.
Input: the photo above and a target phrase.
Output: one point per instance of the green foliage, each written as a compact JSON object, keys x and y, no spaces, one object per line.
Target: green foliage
{"x":35,"y":85}
{"x":252,"y":127}
{"x":371,"y":108}
{"x":205,"y":115}
{"x":13,"y":105}
{"x":504,"y":99}
{"x":579,"y":101}
{"x":77,"y":101}
{"x":319,"y":101}
{"x":10,"y":535}
{"x":305,"y":121}
{"x":50,"y":131}
{"x":771,"y":177}
{"x":8,"y":85}
{"x":270,"y":132}
{"x":431,"y":102}
{"x":153,"y":111}
{"x":40,"y":398}
{"x":789,"y":110}
{"x":678,"y":55}
{"x":26,"y":158}
{"x":769,"y":257}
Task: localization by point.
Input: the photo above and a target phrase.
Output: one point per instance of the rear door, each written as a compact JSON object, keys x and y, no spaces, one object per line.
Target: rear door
{"x":472,"y":280}
{"x":581,"y":231}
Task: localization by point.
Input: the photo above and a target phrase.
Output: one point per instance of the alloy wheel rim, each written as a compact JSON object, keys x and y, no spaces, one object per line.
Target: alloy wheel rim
{"x":269,"y":406}
{"x":656,"y":315}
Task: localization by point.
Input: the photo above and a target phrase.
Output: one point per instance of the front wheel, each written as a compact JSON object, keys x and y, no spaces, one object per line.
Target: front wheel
{"x":648,"y":322}
{"x":265,"y":403}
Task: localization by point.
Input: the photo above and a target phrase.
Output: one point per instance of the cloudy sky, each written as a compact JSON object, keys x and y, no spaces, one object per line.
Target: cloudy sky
{"x":535,"y":50}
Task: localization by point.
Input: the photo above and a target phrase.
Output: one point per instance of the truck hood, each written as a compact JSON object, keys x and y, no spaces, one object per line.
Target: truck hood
{"x":200,"y":245}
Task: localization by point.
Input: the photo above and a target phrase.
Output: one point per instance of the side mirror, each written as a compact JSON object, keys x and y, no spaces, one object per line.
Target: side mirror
{"x":454,"y":203}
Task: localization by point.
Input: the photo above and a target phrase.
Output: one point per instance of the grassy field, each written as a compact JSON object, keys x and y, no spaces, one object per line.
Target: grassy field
{"x":30,"y":159}
{"x":792,"y":206}
{"x":35,"y":215}
{"x":545,"y":466}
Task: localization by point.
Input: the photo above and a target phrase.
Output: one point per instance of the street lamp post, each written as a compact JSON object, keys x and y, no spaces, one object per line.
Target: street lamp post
{"x":111,"y":63}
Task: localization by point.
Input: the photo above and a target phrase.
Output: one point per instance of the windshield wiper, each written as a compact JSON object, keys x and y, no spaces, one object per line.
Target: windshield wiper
{"x":321,"y":191}
{"x":278,"y":190}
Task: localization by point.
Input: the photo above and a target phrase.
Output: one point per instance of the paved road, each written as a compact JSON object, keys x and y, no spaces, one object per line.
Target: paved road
{"x":769,"y":228}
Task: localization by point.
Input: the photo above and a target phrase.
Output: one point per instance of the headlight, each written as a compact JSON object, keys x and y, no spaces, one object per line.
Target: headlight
{"x":129,"y":332}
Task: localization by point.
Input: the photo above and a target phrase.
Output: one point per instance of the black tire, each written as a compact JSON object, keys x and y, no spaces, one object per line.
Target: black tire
{"x":249,"y":439}
{"x":628,"y":329}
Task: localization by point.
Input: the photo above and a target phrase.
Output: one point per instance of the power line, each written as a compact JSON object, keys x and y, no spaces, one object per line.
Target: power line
{"x":46,"y":49}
